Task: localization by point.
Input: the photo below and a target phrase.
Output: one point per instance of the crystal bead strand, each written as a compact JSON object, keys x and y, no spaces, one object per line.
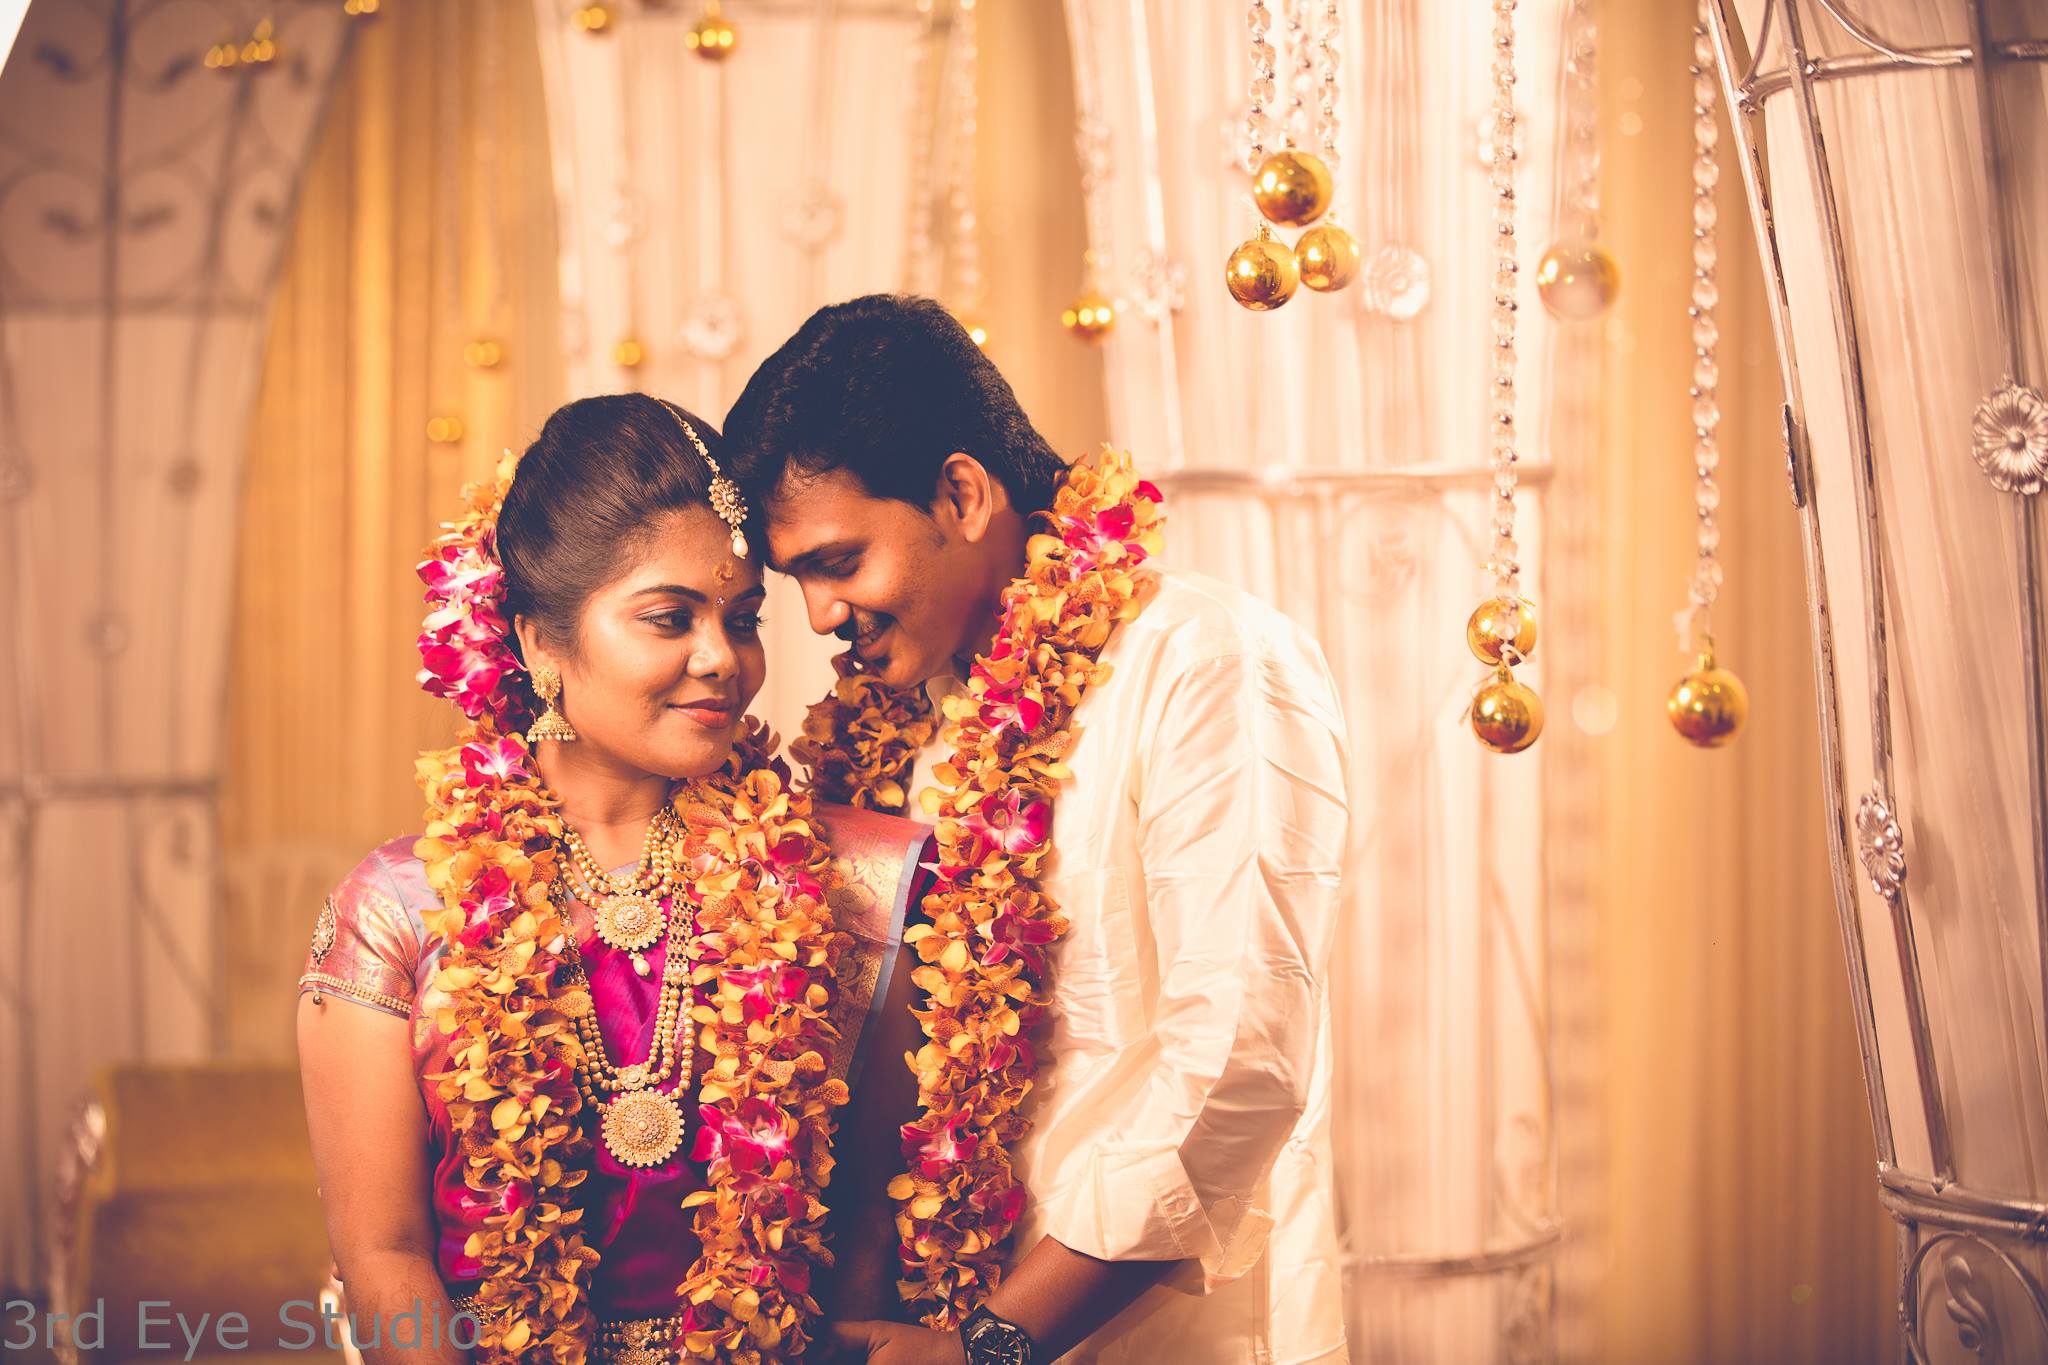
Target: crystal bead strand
{"x":1709,"y":704}
{"x":1328,"y":255}
{"x":1506,"y":714}
{"x":1577,"y":278}
{"x":1258,"y":124}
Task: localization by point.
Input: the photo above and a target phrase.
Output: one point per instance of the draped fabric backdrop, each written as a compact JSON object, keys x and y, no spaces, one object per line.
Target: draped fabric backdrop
{"x":144,"y":202}
{"x":428,"y":224}
{"x":708,"y":207}
{"x":1334,"y":460}
{"x":1648,"y":920}
{"x":1716,"y":1174}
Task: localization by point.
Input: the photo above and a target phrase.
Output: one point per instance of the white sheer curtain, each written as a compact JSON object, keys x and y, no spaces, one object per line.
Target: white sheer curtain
{"x":706,"y":208}
{"x":143,"y":198}
{"x":1333,"y":460}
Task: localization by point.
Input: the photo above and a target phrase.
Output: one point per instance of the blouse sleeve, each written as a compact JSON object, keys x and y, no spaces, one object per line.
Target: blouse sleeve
{"x":877,"y":857}
{"x":365,"y":947}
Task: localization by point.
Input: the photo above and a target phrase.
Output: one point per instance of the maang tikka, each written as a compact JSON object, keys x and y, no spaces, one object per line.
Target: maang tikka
{"x":725,"y":494}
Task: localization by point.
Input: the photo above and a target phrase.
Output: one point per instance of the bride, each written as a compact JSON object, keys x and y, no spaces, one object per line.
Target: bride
{"x":598,"y":1019}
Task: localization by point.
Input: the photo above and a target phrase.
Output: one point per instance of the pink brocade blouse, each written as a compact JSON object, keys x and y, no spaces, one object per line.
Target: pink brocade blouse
{"x":370,"y":948}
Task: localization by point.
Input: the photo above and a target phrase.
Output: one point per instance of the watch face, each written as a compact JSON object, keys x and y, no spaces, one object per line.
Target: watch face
{"x":992,"y":1341}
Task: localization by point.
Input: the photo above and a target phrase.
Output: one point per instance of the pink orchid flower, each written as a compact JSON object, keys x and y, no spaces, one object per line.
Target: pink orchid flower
{"x":783,"y":869}
{"x":1016,"y":822}
{"x":1109,"y":537}
{"x":494,"y":764}
{"x":1009,"y":933}
{"x":935,"y":1150}
{"x":1004,"y":705}
{"x":748,"y":1143}
{"x":488,"y":907}
{"x":1005,"y":1053}
{"x":762,"y":1203}
{"x":557,"y":1081}
{"x":510,"y":1197}
{"x":788,"y":1272}
{"x":463,"y":674}
{"x":1000,"y":1205}
{"x":768,"y":988}
{"x":461,"y":570}
{"x":945,"y":876}
{"x":475,"y":624}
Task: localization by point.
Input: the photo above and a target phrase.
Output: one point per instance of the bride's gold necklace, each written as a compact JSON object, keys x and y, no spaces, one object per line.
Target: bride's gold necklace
{"x":641,"y":1126}
{"x":626,"y":910}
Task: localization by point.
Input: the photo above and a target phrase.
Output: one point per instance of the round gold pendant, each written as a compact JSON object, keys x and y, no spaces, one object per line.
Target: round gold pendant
{"x":629,"y":921}
{"x":643,"y":1128}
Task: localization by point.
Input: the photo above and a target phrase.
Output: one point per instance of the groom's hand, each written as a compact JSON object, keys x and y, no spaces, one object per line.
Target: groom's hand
{"x":892,"y":1343}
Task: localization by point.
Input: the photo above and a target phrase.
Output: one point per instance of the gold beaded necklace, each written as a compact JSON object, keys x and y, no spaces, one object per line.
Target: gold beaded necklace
{"x":630,"y":912}
{"x":641,"y":1125}
{"x":626,"y":910}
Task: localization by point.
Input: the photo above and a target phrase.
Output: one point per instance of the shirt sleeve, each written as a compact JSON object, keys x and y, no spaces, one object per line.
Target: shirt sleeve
{"x":1242,"y":823}
{"x":365,"y":948}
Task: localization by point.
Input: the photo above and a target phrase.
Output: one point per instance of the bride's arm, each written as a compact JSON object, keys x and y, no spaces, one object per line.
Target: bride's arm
{"x":862,"y":1284}
{"x":369,"y":1132}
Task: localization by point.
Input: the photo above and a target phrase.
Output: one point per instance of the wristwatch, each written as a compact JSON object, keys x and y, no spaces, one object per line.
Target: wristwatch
{"x":991,"y":1340}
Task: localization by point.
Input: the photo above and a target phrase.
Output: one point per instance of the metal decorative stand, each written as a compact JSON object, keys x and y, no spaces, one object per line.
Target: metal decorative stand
{"x":1950,"y":1025}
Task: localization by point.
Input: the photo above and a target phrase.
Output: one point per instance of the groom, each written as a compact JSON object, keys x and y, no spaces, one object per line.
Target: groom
{"x":1178,"y":1159}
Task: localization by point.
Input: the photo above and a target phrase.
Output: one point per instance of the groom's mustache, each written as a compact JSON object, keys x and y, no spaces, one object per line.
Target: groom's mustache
{"x":859,"y":626}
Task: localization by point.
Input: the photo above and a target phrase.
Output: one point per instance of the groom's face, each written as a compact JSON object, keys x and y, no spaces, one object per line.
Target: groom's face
{"x":904,"y":586}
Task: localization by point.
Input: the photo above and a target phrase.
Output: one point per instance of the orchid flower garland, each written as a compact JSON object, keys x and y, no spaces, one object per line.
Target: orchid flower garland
{"x":768,"y":955}
{"x":989,"y":922}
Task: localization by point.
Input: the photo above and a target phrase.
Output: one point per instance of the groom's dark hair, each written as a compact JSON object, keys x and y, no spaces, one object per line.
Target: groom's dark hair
{"x":885,"y":387}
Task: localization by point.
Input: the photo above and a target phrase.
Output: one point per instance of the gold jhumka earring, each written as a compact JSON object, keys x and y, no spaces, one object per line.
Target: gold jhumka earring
{"x":547,"y":685}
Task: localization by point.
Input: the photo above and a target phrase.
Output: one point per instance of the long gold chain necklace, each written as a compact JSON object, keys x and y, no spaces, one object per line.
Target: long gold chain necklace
{"x":630,"y":912}
{"x":641,"y":1125}
{"x":626,"y":910}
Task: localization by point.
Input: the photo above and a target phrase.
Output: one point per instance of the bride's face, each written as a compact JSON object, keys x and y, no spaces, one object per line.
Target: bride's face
{"x":668,"y":654}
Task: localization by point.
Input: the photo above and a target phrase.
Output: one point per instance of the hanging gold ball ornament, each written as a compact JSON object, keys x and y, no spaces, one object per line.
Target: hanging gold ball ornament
{"x":1501,"y":630}
{"x":1578,"y":279}
{"x":445,"y":431}
{"x":1261,"y":273}
{"x":1708,"y":705}
{"x":1328,"y":257}
{"x":1292,"y":187}
{"x":628,"y":354}
{"x":483,"y":354}
{"x":360,"y":9}
{"x":1089,"y":317}
{"x":712,"y":37}
{"x":592,"y":18}
{"x":1507,"y":715}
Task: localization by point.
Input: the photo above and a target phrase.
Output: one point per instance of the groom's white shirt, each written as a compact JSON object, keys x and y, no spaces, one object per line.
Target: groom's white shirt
{"x":1182,"y":1106}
